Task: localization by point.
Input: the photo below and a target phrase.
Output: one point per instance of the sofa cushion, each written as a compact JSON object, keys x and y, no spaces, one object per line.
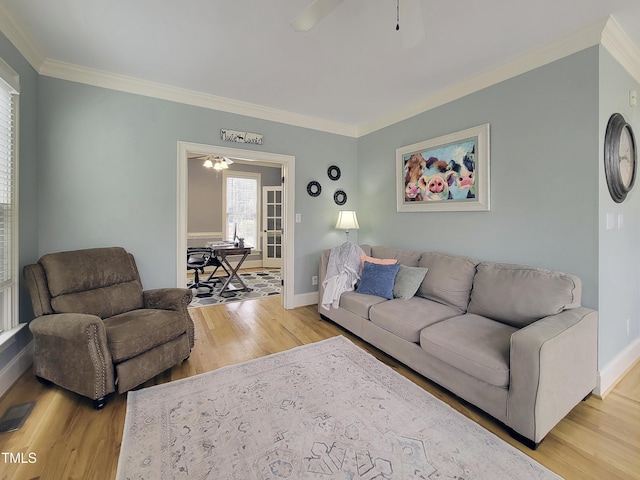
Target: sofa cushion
{"x":473,"y":344}
{"x":381,"y":261}
{"x":406,"y":318}
{"x":132,"y":333}
{"x":519,"y":295}
{"x":449,"y":279}
{"x":103,"y":302}
{"x":359,"y":304}
{"x":378,"y":279}
{"x":408,"y":280}
{"x":409,"y":258}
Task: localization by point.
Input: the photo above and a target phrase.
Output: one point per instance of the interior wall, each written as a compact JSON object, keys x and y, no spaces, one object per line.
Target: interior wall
{"x":619,"y":252}
{"x":108,"y":173}
{"x":544,"y":174}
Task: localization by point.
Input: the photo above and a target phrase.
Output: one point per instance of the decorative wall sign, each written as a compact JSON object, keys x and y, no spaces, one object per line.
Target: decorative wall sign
{"x":241,"y":137}
{"x":447,"y":173}
{"x":333,"y":172}
{"x":619,"y":157}
{"x":314,"y":188}
{"x":340,"y":197}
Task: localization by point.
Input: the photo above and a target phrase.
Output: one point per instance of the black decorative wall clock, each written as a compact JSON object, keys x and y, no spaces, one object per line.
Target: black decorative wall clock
{"x":619,"y":157}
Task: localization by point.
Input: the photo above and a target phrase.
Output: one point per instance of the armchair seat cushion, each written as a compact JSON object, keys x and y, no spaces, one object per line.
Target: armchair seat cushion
{"x":473,"y":344}
{"x":132,"y":333}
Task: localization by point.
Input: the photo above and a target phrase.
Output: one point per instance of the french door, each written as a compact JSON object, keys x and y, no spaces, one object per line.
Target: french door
{"x":272,"y":227}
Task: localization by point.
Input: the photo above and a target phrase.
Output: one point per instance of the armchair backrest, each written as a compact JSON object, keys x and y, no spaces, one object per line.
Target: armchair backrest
{"x":97,"y":281}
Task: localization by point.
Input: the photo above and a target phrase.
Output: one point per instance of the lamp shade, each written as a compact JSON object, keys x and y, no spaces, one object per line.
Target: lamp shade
{"x":347,"y":220}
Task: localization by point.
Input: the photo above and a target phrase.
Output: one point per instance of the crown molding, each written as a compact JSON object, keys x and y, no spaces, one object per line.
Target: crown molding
{"x":585,"y":37}
{"x":616,"y":41}
{"x":112,"y":81}
{"x":24,"y":43}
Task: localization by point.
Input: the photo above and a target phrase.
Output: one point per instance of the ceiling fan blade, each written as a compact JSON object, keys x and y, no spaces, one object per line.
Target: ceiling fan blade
{"x":313,"y":14}
{"x":227,"y":160}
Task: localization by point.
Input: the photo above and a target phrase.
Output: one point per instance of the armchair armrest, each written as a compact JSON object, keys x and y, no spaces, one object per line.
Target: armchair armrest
{"x":553,"y":367}
{"x":167,"y":298}
{"x":71,"y":350}
{"x":177,"y":299}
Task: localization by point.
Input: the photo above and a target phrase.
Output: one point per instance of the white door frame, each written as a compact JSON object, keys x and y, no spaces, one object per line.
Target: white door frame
{"x":287,"y":163}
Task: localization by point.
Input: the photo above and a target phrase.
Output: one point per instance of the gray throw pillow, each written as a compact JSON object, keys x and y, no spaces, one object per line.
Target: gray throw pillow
{"x":408,"y":280}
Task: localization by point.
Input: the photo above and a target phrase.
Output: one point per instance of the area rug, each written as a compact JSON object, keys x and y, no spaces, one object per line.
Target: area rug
{"x":328,"y":410}
{"x":264,"y":283}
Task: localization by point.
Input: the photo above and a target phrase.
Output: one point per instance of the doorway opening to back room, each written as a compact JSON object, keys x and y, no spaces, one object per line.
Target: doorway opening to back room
{"x":235,"y":205}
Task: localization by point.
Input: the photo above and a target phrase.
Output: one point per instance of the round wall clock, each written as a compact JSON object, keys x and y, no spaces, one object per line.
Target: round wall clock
{"x":619,"y":157}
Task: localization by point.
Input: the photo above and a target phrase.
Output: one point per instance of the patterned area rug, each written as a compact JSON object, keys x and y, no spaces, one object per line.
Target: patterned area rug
{"x":328,"y":410}
{"x":262,"y":283}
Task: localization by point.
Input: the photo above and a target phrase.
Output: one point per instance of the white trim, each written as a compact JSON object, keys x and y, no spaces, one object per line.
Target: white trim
{"x":616,"y":41}
{"x":606,"y":31}
{"x":615,"y":369}
{"x":304,"y":299}
{"x":15,"y":368}
{"x":99,"y":78}
{"x":287,"y":163}
{"x":203,"y":235}
{"x":24,"y":43}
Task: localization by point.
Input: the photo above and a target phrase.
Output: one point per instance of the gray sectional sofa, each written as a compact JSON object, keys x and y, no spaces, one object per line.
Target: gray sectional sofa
{"x":512,"y":340}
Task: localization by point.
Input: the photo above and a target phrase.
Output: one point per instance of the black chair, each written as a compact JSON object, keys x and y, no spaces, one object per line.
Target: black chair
{"x":197,"y":259}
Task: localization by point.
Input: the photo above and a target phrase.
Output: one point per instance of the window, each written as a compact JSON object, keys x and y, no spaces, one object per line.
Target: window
{"x":8,"y":198}
{"x":241,"y":205}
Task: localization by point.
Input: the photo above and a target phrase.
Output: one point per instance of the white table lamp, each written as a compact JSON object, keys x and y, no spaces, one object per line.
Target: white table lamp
{"x":347,"y":220}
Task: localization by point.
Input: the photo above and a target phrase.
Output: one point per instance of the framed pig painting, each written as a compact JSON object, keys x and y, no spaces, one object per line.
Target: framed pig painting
{"x":447,"y":173}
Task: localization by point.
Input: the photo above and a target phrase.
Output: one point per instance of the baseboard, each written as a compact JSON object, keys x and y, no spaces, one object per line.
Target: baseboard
{"x":16,"y":367}
{"x":304,"y":299}
{"x":615,"y":370}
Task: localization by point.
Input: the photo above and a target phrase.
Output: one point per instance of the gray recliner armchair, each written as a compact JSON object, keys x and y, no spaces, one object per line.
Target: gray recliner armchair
{"x":95,"y":326}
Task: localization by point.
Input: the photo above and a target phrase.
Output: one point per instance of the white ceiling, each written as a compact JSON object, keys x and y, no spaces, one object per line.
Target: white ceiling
{"x":352,"y":68}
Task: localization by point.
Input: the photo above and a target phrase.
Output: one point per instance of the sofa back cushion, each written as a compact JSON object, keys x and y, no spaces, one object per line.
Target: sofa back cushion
{"x":448,"y":280}
{"x":410,"y":258}
{"x":518,"y":295}
{"x":97,"y":281}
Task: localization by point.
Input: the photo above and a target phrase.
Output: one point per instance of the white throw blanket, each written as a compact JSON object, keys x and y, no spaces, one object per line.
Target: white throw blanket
{"x":343,"y":271}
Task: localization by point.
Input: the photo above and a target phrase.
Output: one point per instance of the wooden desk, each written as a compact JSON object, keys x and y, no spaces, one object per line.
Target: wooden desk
{"x":224,"y":251}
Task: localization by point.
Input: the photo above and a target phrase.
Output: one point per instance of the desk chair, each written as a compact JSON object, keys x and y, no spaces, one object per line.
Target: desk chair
{"x":197,"y":259}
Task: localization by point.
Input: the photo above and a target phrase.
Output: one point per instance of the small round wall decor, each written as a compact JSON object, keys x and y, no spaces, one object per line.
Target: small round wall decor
{"x":333,"y":172}
{"x":314,"y":188}
{"x":619,"y":157}
{"x":340,"y":197}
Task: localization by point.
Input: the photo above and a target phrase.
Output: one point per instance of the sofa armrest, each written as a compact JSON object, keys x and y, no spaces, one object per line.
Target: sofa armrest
{"x":177,"y":299}
{"x":71,"y":350}
{"x":322,"y":273}
{"x":553,"y":367}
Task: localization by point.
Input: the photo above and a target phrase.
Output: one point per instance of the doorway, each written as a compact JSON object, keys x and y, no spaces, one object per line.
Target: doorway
{"x":285,"y":162}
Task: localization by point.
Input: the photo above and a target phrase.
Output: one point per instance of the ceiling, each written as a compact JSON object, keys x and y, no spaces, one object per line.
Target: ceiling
{"x":351,"y":69}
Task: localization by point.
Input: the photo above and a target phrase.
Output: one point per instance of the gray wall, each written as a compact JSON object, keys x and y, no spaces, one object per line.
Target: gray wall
{"x":108,"y":163}
{"x":544,"y":174}
{"x":619,"y":249}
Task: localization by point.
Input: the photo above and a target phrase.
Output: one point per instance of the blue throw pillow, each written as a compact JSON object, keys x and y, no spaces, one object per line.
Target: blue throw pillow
{"x":378,"y":280}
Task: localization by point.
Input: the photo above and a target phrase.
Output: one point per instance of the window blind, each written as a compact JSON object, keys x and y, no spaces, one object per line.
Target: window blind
{"x":8,"y":207}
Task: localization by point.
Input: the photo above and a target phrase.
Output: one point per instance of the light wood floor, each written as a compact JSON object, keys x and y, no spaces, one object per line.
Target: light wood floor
{"x":599,"y":439}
